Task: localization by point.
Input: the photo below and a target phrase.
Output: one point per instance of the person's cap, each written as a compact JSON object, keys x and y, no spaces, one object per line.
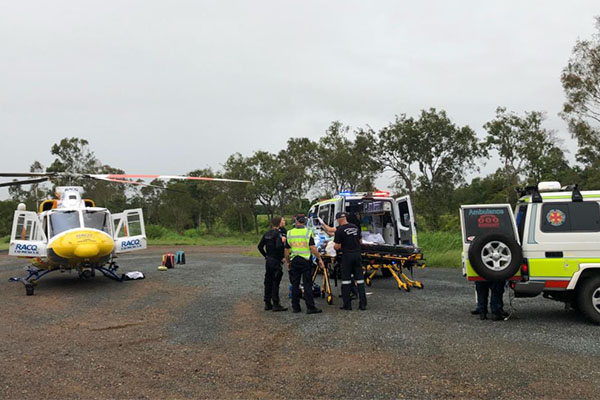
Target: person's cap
{"x":340,"y":215}
{"x":301,"y":218}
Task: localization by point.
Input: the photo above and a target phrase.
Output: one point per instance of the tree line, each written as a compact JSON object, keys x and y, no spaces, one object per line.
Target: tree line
{"x":429,"y":156}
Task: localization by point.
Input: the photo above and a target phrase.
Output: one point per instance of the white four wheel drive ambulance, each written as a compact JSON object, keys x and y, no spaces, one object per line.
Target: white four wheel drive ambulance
{"x":550,"y":245}
{"x":387,"y":223}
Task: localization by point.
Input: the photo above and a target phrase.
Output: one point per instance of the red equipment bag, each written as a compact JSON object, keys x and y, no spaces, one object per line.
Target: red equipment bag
{"x":169,"y":260}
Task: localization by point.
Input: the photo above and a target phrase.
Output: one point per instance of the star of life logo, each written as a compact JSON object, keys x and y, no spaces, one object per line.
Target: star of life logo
{"x":555,"y":217}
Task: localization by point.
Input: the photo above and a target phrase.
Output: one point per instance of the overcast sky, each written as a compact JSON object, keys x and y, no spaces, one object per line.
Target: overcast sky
{"x":172,"y":86}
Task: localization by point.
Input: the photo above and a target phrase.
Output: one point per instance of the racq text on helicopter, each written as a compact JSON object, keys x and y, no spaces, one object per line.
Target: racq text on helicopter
{"x":71,"y":233}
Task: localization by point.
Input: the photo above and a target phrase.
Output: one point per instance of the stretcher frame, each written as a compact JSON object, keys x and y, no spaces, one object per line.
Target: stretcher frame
{"x":373,"y":261}
{"x":395,"y":264}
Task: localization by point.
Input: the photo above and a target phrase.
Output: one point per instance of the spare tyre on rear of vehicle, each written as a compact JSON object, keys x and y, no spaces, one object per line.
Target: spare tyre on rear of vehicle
{"x":495,"y":256}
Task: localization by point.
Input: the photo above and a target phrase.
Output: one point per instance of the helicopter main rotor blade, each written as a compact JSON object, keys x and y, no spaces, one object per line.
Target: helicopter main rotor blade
{"x":168,"y":177}
{"x":133,"y":183}
{"x":26,"y":174}
{"x":24,"y":182}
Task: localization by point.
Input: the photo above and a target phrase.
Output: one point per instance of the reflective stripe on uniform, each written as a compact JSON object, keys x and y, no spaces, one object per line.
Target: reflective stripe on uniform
{"x":347,"y":282}
{"x":361,"y":281}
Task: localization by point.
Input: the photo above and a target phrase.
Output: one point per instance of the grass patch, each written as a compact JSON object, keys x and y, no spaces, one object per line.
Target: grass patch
{"x":441,"y":249}
{"x":158,"y":235}
{"x":207,"y":240}
{"x":4,"y":242}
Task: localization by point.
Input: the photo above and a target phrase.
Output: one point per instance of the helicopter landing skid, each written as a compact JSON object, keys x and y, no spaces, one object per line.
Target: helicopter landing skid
{"x":111,"y":272}
{"x":33,"y":276}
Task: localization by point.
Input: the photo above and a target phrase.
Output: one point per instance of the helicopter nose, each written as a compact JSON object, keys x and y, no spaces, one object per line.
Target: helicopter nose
{"x":86,"y":250}
{"x":82,"y":244}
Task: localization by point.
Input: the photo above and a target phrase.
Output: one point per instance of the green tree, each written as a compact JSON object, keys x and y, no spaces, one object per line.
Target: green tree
{"x":430,"y":155}
{"x":581,"y":83}
{"x":344,"y":164}
{"x":526,"y":149}
{"x":74,"y":156}
{"x":207,"y":196}
{"x":177,"y":207}
{"x":35,"y":193}
{"x":240,"y":199}
{"x":7,"y":212}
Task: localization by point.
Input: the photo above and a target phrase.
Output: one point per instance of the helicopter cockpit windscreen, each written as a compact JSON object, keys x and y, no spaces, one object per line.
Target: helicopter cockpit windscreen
{"x":61,"y":221}
{"x":96,"y":220}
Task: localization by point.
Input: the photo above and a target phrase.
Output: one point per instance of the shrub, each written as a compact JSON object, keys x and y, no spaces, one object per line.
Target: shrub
{"x":156,"y":231}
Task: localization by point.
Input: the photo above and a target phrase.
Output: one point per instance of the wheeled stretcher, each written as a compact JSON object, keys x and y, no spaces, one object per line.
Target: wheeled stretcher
{"x":393,"y":260}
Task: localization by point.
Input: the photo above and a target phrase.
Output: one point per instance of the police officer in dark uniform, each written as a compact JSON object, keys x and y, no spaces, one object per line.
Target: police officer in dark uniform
{"x":271,"y":246}
{"x":348,"y":239}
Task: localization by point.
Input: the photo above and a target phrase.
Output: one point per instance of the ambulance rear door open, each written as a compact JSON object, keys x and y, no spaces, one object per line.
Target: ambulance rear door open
{"x":327,"y":210}
{"x":27,"y":238}
{"x":481,"y":219}
{"x":129,"y":231}
{"x":405,"y":221}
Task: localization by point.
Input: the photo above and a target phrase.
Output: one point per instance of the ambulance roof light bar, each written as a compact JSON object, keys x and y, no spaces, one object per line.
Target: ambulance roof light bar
{"x":381,"y":193}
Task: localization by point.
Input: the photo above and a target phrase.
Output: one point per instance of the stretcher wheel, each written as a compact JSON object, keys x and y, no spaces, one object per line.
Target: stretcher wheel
{"x":29,"y":289}
{"x":323,"y":294}
{"x":330,"y":299}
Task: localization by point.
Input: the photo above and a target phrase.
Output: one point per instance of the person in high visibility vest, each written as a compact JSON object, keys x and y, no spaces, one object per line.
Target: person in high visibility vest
{"x":299,"y":247}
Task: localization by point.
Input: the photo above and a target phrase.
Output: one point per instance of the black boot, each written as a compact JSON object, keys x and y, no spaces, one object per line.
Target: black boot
{"x":497,"y":316}
{"x":277,"y":307}
{"x":268,"y":306}
{"x":314,"y":310}
{"x":475,"y":312}
{"x":362,"y":297}
{"x":346,"y":290}
{"x":482,"y":315}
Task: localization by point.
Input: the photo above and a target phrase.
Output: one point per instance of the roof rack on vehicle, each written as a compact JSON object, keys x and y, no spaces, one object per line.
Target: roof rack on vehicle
{"x":576,"y":196}
{"x":536,"y":197}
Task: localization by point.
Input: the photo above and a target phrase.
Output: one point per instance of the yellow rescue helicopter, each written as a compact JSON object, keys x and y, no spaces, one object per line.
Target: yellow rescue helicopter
{"x":71,"y":233}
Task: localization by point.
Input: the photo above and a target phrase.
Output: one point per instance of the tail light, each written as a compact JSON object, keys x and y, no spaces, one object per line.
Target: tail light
{"x":525,"y":270}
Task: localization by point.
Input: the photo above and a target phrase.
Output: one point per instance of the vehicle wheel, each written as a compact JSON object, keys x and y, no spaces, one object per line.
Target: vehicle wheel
{"x":588,"y":298}
{"x":495,"y":256}
{"x":29,"y":289}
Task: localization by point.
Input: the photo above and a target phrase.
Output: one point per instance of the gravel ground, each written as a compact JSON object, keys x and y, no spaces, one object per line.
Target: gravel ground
{"x":199,"y":331}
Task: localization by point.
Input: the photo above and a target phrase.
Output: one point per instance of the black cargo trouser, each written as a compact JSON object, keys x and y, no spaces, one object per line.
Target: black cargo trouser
{"x":352,"y":265}
{"x":301,"y":268}
{"x":273,"y":275}
{"x":483,"y":288}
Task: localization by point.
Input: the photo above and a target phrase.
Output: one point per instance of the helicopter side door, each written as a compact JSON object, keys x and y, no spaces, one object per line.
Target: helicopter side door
{"x":129,"y":231}
{"x":27,"y":238}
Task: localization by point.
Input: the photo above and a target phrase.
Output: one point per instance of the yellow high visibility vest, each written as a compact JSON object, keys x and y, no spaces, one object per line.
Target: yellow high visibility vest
{"x":299,"y":241}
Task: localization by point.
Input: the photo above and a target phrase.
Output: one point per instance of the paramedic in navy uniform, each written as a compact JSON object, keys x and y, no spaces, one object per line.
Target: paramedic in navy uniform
{"x":347,"y":239}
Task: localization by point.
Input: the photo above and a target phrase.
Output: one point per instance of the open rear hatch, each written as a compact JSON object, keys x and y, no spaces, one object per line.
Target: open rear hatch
{"x":483,"y":221}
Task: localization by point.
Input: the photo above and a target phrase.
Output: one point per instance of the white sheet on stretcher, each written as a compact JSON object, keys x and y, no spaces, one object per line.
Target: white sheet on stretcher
{"x":372,"y":238}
